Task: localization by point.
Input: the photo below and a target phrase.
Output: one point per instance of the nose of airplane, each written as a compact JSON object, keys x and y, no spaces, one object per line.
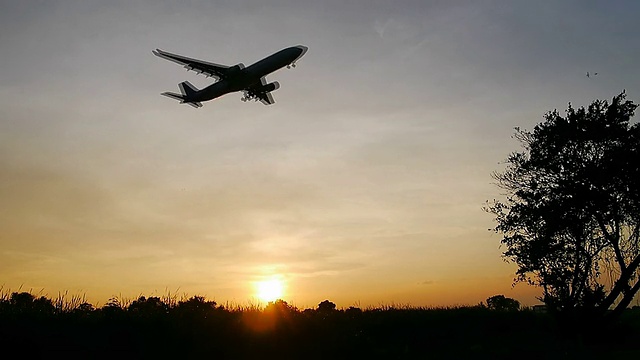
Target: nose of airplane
{"x":303,"y":50}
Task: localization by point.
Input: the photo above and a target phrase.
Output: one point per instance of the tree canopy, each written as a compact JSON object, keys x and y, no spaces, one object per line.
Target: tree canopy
{"x":502,"y":303}
{"x":571,"y":215}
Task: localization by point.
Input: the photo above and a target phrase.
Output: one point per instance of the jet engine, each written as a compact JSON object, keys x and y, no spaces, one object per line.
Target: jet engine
{"x":268,"y":87}
{"x":257,"y":92}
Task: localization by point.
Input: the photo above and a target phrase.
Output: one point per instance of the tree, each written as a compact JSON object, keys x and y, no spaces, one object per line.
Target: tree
{"x":196,"y":307}
{"x":326,"y":306}
{"x":26,"y":303}
{"x":571,"y":216}
{"x":502,"y":303}
{"x":280,"y":308}
{"x":148,"y":307}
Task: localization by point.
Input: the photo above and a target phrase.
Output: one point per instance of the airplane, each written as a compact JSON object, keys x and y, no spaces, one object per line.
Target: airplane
{"x":250,"y":80}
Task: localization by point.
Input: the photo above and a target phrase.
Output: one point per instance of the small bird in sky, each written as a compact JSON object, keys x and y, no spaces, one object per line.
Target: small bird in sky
{"x":594,"y":74}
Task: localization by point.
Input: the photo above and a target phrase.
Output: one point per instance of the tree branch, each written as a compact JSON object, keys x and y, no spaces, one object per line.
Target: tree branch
{"x":621,"y":284}
{"x":626,"y":300}
{"x":615,"y":242}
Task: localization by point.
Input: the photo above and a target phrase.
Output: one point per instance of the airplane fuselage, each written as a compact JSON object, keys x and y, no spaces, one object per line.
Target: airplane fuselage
{"x":250,"y":75}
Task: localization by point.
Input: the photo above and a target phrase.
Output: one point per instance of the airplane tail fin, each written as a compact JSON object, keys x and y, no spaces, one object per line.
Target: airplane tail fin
{"x":188,"y":90}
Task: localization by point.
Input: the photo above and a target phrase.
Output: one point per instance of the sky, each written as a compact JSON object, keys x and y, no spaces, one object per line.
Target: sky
{"x":363,"y":184}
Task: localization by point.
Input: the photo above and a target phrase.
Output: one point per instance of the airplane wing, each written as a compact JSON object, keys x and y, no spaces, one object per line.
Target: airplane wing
{"x":262,"y":91}
{"x":209,"y":69}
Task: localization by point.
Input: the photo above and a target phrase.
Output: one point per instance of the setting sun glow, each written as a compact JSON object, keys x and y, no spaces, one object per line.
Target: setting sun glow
{"x":270,"y":289}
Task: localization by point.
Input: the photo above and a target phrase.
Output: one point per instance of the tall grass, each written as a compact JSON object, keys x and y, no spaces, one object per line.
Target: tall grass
{"x":69,"y":303}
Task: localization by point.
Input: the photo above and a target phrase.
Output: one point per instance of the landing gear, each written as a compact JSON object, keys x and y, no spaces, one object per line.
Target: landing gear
{"x":248,"y":97}
{"x":291,"y":65}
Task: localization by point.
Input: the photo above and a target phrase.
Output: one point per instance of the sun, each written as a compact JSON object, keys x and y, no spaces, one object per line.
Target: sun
{"x":270,"y":289}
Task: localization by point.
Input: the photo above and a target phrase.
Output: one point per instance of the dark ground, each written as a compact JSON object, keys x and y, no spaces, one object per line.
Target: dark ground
{"x":196,"y":328}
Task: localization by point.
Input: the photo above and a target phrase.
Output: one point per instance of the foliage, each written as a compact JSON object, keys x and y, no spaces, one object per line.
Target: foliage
{"x":326,"y":306}
{"x":151,"y":306}
{"x":27,"y":304}
{"x":571,"y":216}
{"x":196,"y":305}
{"x":502,"y":303}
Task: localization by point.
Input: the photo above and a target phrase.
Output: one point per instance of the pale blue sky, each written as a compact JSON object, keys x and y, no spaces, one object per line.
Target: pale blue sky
{"x":364,"y":182}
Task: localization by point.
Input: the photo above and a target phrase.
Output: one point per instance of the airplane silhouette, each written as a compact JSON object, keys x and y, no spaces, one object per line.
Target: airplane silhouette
{"x":251,"y":80}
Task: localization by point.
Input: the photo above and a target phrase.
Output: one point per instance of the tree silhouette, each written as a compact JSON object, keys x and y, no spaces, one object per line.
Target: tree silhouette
{"x":326,"y":306}
{"x":502,"y":303}
{"x":571,"y":216}
{"x":196,"y":305}
{"x":26,"y":303}
{"x":152,"y":306}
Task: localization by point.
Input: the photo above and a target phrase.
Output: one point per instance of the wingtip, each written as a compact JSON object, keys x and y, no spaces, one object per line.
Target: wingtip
{"x":159,"y":52}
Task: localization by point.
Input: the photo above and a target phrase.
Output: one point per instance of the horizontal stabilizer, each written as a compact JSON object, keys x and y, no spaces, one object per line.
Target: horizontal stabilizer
{"x":173,"y":96}
{"x":182,"y":99}
{"x":195,"y":104}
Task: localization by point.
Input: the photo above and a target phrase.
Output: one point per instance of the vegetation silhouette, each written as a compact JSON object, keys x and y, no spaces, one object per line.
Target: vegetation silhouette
{"x":571,"y":218}
{"x":502,"y":303}
{"x":154,"y":327}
